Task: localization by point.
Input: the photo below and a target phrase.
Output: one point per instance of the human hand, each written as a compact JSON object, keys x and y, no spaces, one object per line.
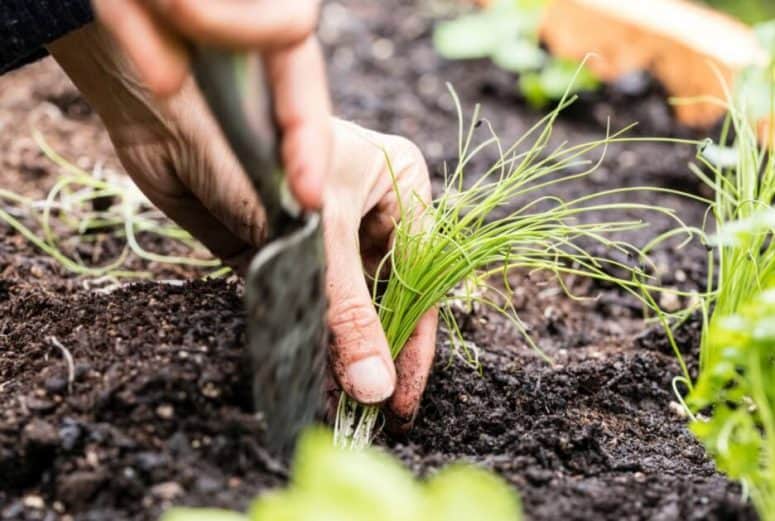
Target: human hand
{"x":174,"y":151}
{"x":361,"y":207}
{"x":153,"y":34}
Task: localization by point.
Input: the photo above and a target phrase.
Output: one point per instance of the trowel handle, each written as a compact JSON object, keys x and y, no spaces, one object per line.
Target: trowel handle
{"x":235,"y":88}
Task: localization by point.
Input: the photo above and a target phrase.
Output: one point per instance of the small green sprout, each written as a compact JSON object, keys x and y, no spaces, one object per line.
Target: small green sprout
{"x":507,"y":32}
{"x":82,"y":207}
{"x":334,"y":484}
{"x":737,"y":388}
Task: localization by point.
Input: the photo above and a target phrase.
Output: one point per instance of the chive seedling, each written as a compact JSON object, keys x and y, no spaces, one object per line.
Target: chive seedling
{"x":741,"y":255}
{"x":741,"y":174}
{"x":465,"y":242}
{"x":71,"y":213}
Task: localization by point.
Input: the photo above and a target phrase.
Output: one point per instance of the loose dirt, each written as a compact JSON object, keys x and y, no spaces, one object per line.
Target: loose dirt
{"x":158,"y":412}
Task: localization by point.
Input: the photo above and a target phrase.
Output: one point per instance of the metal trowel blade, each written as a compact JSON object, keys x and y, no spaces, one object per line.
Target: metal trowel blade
{"x":287,"y":334}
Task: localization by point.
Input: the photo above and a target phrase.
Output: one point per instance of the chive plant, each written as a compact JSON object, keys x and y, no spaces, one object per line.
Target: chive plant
{"x":741,"y":175}
{"x":461,"y":240}
{"x":741,"y":253}
{"x":72,"y":213}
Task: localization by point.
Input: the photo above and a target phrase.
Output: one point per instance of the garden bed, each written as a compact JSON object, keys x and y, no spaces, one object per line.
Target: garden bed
{"x":159,"y":414}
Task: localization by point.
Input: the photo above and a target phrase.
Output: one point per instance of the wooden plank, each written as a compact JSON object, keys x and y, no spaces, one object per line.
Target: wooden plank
{"x":678,"y":41}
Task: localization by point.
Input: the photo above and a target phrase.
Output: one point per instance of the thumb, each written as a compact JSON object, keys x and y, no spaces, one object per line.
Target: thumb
{"x":360,"y":357}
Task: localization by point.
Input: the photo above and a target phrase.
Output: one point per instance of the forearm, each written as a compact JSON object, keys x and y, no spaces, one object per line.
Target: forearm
{"x":27,"y":25}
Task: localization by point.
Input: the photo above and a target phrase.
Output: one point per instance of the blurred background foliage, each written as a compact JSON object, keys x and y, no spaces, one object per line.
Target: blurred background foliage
{"x":749,"y":11}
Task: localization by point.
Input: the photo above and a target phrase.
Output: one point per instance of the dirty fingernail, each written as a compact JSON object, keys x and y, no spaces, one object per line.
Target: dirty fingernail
{"x":370,"y":380}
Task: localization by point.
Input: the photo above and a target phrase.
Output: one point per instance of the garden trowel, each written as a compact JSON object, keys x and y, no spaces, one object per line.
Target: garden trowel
{"x":284,"y":287}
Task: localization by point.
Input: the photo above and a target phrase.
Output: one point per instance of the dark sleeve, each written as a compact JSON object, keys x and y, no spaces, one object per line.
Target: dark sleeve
{"x":27,"y":25}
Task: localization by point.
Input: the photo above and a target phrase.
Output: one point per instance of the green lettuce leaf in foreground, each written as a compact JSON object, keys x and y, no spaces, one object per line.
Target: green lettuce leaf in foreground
{"x":335,"y":484}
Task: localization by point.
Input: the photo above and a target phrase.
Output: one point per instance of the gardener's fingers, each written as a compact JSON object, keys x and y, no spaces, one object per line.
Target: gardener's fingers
{"x":303,"y":111}
{"x":413,"y":366}
{"x":249,"y":24}
{"x":149,"y":31}
{"x":360,"y":357}
{"x":157,"y":54}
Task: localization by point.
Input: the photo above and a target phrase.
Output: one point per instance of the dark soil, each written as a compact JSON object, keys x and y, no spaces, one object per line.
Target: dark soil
{"x":159,"y":414}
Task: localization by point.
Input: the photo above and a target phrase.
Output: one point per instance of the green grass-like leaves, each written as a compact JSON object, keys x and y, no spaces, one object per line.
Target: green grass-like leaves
{"x":732,"y":403}
{"x":68,"y":215}
{"x":741,"y":210}
{"x":464,"y":238}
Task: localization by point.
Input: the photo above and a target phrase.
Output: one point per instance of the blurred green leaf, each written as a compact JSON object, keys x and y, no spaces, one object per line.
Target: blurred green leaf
{"x":475,"y":35}
{"x":534,"y":5}
{"x":201,"y":514}
{"x":506,"y":32}
{"x":749,"y":11}
{"x":463,"y":493}
{"x":765,"y":32}
{"x":520,"y":55}
{"x":755,"y":85}
{"x":334,"y":484}
{"x":532,"y":89}
{"x":363,"y":481}
{"x":482,"y":33}
{"x":754,"y":90}
{"x":554,"y":80}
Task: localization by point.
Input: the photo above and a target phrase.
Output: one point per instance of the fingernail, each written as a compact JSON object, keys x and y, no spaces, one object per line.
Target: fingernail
{"x":370,"y":380}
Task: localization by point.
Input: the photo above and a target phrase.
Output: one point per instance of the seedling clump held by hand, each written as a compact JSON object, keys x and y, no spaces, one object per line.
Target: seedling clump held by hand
{"x":460,"y":239}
